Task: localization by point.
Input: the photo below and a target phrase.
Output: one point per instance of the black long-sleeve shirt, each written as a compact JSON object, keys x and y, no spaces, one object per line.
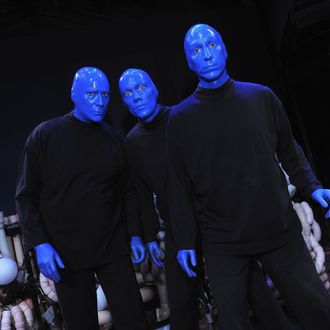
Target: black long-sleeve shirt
{"x":145,"y":148}
{"x":70,"y":191}
{"x":222,"y":146}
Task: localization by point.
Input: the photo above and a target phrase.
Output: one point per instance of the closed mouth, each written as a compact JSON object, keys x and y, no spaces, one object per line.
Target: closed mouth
{"x":210,"y":67}
{"x":140,"y":106}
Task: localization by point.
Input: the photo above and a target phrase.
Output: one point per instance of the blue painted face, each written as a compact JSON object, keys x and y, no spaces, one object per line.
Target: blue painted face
{"x":206,"y":55}
{"x":140,"y":94}
{"x":90,"y":94}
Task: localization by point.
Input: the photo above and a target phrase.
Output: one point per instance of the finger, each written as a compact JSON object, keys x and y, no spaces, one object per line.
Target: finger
{"x":193,"y":259}
{"x":193,"y":274}
{"x":53,"y":274}
{"x":321,"y":201}
{"x":59,"y":261}
{"x":181,"y":263}
{"x":141,"y":253}
{"x":135,"y":256}
{"x":328,"y":214}
{"x":187,"y":268}
{"x":159,"y":252}
{"x":153,"y":255}
{"x":157,"y":262}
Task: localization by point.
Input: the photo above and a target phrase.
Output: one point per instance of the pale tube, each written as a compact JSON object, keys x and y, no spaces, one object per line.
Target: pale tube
{"x":4,"y":248}
{"x":104,"y":317}
{"x":30,"y":303}
{"x":163,"y":312}
{"x":48,"y":287}
{"x":320,"y":256}
{"x":308,"y":212}
{"x":18,"y":316}
{"x":5,"y":321}
{"x":17,"y":242}
{"x":306,"y":229}
{"x":147,"y":293}
{"x":27,"y":311}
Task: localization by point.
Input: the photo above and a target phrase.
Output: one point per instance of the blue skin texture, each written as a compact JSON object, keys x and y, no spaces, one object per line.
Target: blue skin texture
{"x":140,"y":95}
{"x":322,"y":197}
{"x":207,"y":56}
{"x":138,"y":250}
{"x":90,"y":95}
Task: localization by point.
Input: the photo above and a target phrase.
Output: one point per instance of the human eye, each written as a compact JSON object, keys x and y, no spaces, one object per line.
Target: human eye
{"x":197,"y":50}
{"x":212,"y":44}
{"x":141,"y":88}
{"x":128,"y":93}
{"x":105,"y":94}
{"x":91,"y":93}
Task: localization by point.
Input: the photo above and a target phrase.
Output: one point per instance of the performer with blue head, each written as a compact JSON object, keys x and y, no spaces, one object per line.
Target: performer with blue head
{"x":145,"y":148}
{"x":71,"y":186}
{"x":225,"y":142}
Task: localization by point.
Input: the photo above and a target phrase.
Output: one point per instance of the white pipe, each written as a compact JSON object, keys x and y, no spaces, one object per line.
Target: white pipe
{"x":327,"y":285}
{"x":316,"y":231}
{"x":320,"y":256}
{"x":308,"y":212}
{"x":30,"y":303}
{"x":104,"y":317}
{"x":48,"y":287}
{"x":26,"y":309}
{"x":11,"y":247}
{"x":4,"y":248}
{"x":147,"y":293}
{"x":5,"y":321}
{"x":18,"y":316}
{"x":17,"y":242}
{"x":306,"y":230}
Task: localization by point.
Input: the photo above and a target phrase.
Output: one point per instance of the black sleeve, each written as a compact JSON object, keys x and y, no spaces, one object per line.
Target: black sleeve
{"x":149,"y":216}
{"x":27,"y":195}
{"x":291,"y":155}
{"x":180,"y":194}
{"x":132,"y":209}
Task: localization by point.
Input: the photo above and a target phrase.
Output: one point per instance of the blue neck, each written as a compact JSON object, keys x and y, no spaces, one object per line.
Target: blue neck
{"x":216,"y":83}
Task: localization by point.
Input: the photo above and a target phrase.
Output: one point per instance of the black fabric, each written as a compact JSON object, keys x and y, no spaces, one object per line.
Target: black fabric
{"x":224,"y":146}
{"x":293,"y":272}
{"x":70,"y":191}
{"x":182,"y":290}
{"x":146,"y":152}
{"x":77,"y":296}
{"x":268,"y":314}
{"x":145,"y":147}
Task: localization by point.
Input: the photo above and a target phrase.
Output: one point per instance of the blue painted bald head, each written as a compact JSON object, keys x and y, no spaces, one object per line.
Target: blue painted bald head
{"x":139,"y":94}
{"x":206,"y":55}
{"x":90,"y":94}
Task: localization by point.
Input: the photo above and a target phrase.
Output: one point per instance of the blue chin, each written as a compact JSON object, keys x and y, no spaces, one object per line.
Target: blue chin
{"x":96,"y":117}
{"x":210,"y":76}
{"x":141,"y":113}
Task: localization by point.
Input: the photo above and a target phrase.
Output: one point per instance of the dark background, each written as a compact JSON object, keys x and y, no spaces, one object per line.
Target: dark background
{"x":284,"y":44}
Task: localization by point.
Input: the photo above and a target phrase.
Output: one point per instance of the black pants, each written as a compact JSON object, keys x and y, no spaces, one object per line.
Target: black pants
{"x":182,"y":291}
{"x":292,"y":271}
{"x":77,"y":296}
{"x":268,"y":313}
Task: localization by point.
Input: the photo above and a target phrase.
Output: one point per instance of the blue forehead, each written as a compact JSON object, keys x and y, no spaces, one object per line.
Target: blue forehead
{"x":199,"y":33}
{"x":132,"y":78}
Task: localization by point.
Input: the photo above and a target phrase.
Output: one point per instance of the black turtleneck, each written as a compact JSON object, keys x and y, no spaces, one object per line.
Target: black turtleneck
{"x":70,"y":189}
{"x":224,"y":173}
{"x":145,"y":148}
